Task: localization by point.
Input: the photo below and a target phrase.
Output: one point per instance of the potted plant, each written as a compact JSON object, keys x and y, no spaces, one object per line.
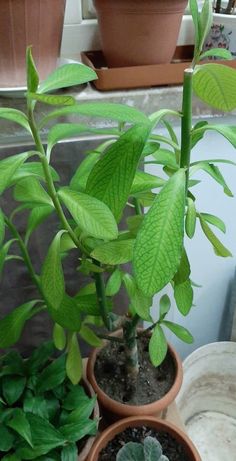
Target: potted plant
{"x":223,"y":30}
{"x":89,"y":212}
{"x":141,"y":439}
{"x":42,"y":414}
{"x":38,"y":23}
{"x":139,"y":33}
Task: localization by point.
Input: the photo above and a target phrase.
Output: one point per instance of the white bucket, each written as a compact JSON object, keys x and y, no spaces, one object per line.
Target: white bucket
{"x":207,"y":400}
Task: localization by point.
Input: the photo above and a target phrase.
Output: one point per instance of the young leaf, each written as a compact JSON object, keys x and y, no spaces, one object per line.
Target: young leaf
{"x":30,"y":190}
{"x":12,"y":388}
{"x":159,"y":241}
{"x":2,"y":227}
{"x":115,"y":171}
{"x":205,"y":22}
{"x":53,"y":100}
{"x":183,"y":271}
{"x":8,"y":167}
{"x":89,"y":336}
{"x":59,"y":337}
{"x":32,"y":74}
{"x":219,"y":248}
{"x":221,"y":53}
{"x":116,"y":252}
{"x":52,"y":277}
{"x":213,"y":84}
{"x":93,"y":216}
{"x":183,"y":293}
{"x":157,"y":346}
{"x":20,"y":424}
{"x":165,"y":305}
{"x":191,"y":216}
{"x":12,"y":324}
{"x":15,"y":116}
{"x":52,"y":376}
{"x":196,"y":21}
{"x":215,"y":221}
{"x":66,"y":76}
{"x":114,"y":283}
{"x":179,"y":331}
{"x":74,"y":366}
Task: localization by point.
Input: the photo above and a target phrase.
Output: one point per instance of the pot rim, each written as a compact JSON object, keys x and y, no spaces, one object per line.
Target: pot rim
{"x":132,"y":421}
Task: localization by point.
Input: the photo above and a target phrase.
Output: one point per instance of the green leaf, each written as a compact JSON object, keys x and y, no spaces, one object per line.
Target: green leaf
{"x":165,"y":157}
{"x":69,"y":453}
{"x":134,"y":223}
{"x":156,"y":117}
{"x":15,"y":116}
{"x":76,"y":431}
{"x":66,"y":76}
{"x":74,"y":366}
{"x":145,"y":182}
{"x":11,"y":325}
{"x":67,"y":315}
{"x":75,"y":398}
{"x":179,"y":331}
{"x":37,"y":216}
{"x":183,"y":293}
{"x":30,"y":190}
{"x":191,"y":216}
{"x":140,"y":303}
{"x":52,"y":376}
{"x":131,"y":451}
{"x":197,"y":132}
{"x":159,"y":241}
{"x":114,"y":283}
{"x":39,"y":357}
{"x":219,"y":248}
{"x":12,"y":388}
{"x":214,"y":83}
{"x":90,"y":337}
{"x":196,"y":21}
{"x":205,"y":22}
{"x":32,"y":74}
{"x":184,"y":270}
{"x":87,"y":304}
{"x":8,"y":167}
{"x":228,"y":131}
{"x":59,"y":337}
{"x":53,"y":100}
{"x":3,"y":253}
{"x":216,"y":52}
{"x":157,"y":346}
{"x":215,"y":221}
{"x":215,"y":173}
{"x":13,"y":458}
{"x":36,"y":405}
{"x":79,"y":180}
{"x":6,"y":439}
{"x":165,"y":306}
{"x":20,"y":424}
{"x":116,"y":252}
{"x":153,"y":450}
{"x":93,"y":216}
{"x":84,"y":410}
{"x":2,"y":227}
{"x":111,"y":178}
{"x":34,"y":169}
{"x":52,"y":277}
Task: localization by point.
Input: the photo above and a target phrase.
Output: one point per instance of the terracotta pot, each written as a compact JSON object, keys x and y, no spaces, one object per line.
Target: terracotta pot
{"x":82,"y":456}
{"x":29,"y":22}
{"x":115,"y":410}
{"x":137,"y":32}
{"x":138,"y":421}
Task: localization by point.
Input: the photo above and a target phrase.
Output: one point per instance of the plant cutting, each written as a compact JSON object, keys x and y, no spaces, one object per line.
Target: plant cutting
{"x":89,"y":211}
{"x":42,"y":415}
{"x":143,"y":438}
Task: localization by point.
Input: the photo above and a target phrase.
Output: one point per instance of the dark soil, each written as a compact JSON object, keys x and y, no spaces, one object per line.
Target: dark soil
{"x":171,"y":448}
{"x":153,"y":383}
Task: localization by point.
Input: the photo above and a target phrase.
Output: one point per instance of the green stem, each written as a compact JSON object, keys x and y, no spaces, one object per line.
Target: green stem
{"x":131,"y":352}
{"x":186,"y":123}
{"x":137,"y":207}
{"x":102,"y":302}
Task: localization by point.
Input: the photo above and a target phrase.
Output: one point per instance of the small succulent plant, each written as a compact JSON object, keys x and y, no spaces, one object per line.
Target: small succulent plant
{"x":149,"y":450}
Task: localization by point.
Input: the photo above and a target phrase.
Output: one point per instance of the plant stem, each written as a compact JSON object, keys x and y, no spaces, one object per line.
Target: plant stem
{"x":137,"y":207}
{"x":131,"y":352}
{"x":186,"y":123}
{"x":102,"y":302}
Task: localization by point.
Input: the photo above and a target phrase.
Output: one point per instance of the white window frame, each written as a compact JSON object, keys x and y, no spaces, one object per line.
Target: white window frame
{"x":82,"y":34}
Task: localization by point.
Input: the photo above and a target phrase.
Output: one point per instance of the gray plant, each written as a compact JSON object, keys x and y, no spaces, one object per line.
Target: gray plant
{"x":149,"y":450}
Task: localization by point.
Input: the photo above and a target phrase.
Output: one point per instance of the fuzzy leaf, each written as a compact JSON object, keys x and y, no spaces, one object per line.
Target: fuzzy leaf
{"x":131,"y":451}
{"x":159,"y":241}
{"x":66,"y":76}
{"x":157,"y":346}
{"x":113,"y":253}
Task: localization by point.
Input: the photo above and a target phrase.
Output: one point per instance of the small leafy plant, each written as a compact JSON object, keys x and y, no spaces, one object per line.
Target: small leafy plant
{"x":42,"y":415}
{"x":149,"y":450}
{"x":89,"y":209}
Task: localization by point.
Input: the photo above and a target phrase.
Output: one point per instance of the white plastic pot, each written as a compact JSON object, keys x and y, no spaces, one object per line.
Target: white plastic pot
{"x":223,"y":33}
{"x":207,"y":400}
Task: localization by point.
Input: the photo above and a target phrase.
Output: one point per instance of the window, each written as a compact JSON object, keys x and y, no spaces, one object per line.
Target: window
{"x":81,"y":34}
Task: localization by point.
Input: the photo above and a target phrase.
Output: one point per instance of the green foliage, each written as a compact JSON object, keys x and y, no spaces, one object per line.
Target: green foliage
{"x":149,"y":450}
{"x":43,"y":413}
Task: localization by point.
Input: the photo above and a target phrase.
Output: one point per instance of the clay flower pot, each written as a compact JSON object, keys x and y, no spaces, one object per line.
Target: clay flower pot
{"x":137,"y":32}
{"x":82,"y":455}
{"x":22,"y":23}
{"x":114,"y":410}
{"x":148,"y":421}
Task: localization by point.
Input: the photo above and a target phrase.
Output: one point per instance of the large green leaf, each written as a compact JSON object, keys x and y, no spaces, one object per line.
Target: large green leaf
{"x":116,"y":252}
{"x":112,"y":176}
{"x":39,"y":357}
{"x":74,"y":366}
{"x":52,"y":376}
{"x":30,"y":190}
{"x":67,"y":75}
{"x":165,"y":157}
{"x":20,"y":424}
{"x":36,"y":405}
{"x":8,"y":168}
{"x":52,"y":277}
{"x":15,"y":116}
{"x":157,"y":346}
{"x":74,"y":398}
{"x":93,"y":216}
{"x":12,"y":324}
{"x":214,"y":84}
{"x":159,"y":242}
